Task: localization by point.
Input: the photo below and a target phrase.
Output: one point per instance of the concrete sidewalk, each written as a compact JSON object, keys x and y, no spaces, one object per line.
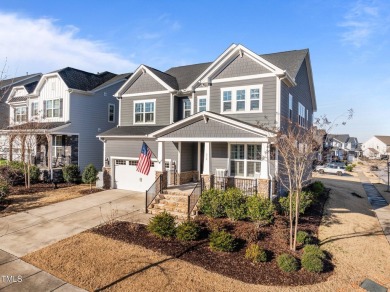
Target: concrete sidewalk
{"x":29,"y":231}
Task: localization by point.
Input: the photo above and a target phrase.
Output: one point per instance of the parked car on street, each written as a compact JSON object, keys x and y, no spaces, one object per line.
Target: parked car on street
{"x":331,"y":168}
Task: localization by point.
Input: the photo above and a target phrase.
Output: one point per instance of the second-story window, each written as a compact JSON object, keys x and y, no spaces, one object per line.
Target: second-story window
{"x":301,"y":115}
{"x":20,"y":114}
{"x":111,"y":113}
{"x":202,"y":103}
{"x":241,"y":99}
{"x":144,"y":112}
{"x":53,"y":108}
{"x":186,"y":108}
{"x":34,"y":109}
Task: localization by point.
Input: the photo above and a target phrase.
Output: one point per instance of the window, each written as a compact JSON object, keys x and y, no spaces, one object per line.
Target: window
{"x":20,"y":114}
{"x":111,"y":113}
{"x":202,"y":103}
{"x":144,"y":112}
{"x":34,"y":109}
{"x":245,"y":160}
{"x":186,"y":108}
{"x":290,"y":107}
{"x":227,"y":101}
{"x":301,"y":115}
{"x":53,"y":108}
{"x":120,"y":162}
{"x":241,"y":99}
{"x":58,"y":146}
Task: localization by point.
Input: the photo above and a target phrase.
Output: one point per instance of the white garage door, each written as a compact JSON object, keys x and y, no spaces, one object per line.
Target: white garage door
{"x":127,"y":178}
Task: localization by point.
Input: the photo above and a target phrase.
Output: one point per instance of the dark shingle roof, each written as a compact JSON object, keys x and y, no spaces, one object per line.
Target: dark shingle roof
{"x":168,"y":79}
{"x":30,"y":87}
{"x":113,"y":80}
{"x":7,"y":84}
{"x":81,"y":80}
{"x":131,"y":131}
{"x":290,"y":61}
{"x":18,"y":98}
{"x":185,"y":75}
{"x":384,"y":139}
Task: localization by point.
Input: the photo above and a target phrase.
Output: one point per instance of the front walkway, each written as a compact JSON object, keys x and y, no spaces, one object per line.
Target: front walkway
{"x":34,"y":229}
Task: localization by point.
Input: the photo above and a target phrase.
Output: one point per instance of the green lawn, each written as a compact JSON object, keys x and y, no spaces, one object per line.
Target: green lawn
{"x":3,"y":162}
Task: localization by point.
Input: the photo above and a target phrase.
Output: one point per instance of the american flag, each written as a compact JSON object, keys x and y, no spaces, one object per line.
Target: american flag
{"x":144,"y":161}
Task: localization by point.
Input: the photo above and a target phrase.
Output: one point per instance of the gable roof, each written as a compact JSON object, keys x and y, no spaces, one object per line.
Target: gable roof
{"x":185,"y":75}
{"x":7,"y":84}
{"x":384,"y":139}
{"x":165,"y":77}
{"x":343,"y":138}
{"x":115,"y":79}
{"x":290,"y":61}
{"x":130,"y":131}
{"x":82,"y":80}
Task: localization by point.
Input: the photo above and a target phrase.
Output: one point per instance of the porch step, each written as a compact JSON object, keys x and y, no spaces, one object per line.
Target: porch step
{"x":178,"y":215}
{"x":174,"y":197}
{"x":170,"y":208}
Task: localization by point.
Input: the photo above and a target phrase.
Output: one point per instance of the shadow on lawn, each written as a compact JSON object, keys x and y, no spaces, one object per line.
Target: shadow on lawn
{"x":152,"y":265}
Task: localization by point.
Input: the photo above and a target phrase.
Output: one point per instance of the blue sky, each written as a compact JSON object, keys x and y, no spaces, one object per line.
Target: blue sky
{"x":348,"y":42}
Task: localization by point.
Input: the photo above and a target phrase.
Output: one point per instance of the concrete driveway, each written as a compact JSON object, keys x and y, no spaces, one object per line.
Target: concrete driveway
{"x":28,"y":231}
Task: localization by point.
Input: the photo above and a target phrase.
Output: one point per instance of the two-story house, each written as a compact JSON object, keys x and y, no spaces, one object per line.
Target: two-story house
{"x":204,"y":121}
{"x":341,"y":147}
{"x":63,"y":111}
{"x":376,"y":147}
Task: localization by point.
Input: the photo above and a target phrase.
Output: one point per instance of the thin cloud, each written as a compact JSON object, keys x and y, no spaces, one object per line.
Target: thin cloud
{"x":39,"y":45}
{"x":363,"y":22}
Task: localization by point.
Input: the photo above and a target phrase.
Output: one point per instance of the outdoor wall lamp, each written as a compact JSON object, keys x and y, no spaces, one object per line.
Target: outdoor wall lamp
{"x":107,"y":161}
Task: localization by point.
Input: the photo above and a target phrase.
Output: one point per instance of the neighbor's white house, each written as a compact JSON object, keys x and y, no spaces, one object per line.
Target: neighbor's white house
{"x":376,"y":146}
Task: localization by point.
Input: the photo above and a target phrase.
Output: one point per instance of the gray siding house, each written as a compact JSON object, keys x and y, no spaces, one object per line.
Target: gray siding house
{"x":65,"y":109}
{"x":203,"y":121}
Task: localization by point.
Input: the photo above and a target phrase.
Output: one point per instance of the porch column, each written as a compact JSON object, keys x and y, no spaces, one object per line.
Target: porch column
{"x":199,"y":152}
{"x":179,"y":158}
{"x":265,"y":159}
{"x":160,"y":166}
{"x":207,"y":176}
{"x":49,"y":150}
{"x":207,"y":158}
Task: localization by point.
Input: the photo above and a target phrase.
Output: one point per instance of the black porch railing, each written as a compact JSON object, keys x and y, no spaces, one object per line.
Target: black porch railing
{"x":193,"y":198}
{"x":153,"y":191}
{"x":247,"y":185}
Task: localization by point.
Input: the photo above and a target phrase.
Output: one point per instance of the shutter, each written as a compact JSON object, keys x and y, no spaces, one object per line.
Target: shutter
{"x":61,"y":107}
{"x":44,"y":109}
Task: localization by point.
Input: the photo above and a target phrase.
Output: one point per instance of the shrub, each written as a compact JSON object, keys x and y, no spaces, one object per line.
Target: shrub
{"x":349,"y":168}
{"x":255,"y":253}
{"x":303,"y":237}
{"x":71,"y":173}
{"x":211,"y":203}
{"x":90,"y":175}
{"x":306,"y":199}
{"x":287,"y":263}
{"x":317,"y":187}
{"x":4,"y":189}
{"x":260,"y":209}
{"x":188,"y":230}
{"x":13,"y":175}
{"x":222,"y":241}
{"x":312,"y":263}
{"x":34,"y":174}
{"x":162,"y":225}
{"x":314,"y":250}
{"x":235,"y":204}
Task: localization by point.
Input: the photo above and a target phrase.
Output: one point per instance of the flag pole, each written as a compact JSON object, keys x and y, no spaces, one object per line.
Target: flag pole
{"x":151,"y":151}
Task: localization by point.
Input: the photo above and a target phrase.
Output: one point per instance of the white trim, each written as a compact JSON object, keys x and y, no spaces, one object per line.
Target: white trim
{"x":140,"y":70}
{"x":199,"y":97}
{"x":119,"y":111}
{"x":262,"y":160}
{"x":192,"y":100}
{"x":172,"y":103}
{"x":109,"y":105}
{"x":179,"y":158}
{"x":127,"y":137}
{"x":247,"y":100}
{"x":201,"y":89}
{"x":43,"y":80}
{"x":278,"y":107}
{"x":145,"y":93}
{"x":217,"y":117}
{"x":247,"y":77}
{"x":208,"y":139}
{"x":154,"y":111}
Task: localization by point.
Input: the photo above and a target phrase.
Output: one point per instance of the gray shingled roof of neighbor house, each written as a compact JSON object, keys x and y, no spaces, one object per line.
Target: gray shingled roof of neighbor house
{"x":30,"y":87}
{"x":131,"y":131}
{"x":339,"y":137}
{"x":113,"y":80}
{"x":384,"y":139}
{"x":6,"y":84}
{"x":81,"y":80}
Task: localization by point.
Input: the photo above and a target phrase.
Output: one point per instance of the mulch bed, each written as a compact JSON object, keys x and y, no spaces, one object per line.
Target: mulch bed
{"x":273,"y":238}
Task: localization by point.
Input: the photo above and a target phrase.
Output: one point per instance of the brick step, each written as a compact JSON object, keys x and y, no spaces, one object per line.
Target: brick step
{"x":172,"y":203}
{"x":170,"y":208}
{"x":176,"y":198}
{"x":178,"y":215}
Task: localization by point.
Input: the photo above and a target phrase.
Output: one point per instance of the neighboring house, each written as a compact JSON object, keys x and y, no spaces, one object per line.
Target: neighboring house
{"x":62,"y":113}
{"x":202,"y":121}
{"x":341,"y":147}
{"x":376,"y":147}
{"x":5,"y":89}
